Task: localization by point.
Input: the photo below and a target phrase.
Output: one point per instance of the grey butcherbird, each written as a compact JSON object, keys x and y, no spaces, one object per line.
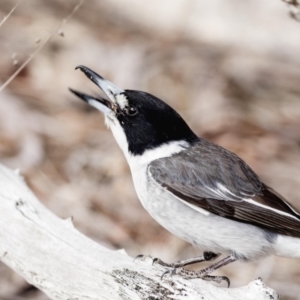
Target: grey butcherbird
{"x":197,"y":190}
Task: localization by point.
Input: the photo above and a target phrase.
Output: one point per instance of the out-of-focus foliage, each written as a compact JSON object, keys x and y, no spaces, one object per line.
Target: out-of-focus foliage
{"x":231,"y":68}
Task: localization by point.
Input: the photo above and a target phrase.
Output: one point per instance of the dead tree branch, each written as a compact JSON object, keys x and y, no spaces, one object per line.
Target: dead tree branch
{"x":53,"y":256}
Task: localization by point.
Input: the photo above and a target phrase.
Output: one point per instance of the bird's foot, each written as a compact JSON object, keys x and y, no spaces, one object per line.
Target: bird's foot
{"x":203,"y":274}
{"x":177,"y":267}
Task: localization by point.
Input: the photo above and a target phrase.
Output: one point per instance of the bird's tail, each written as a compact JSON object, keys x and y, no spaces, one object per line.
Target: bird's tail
{"x":287,"y":246}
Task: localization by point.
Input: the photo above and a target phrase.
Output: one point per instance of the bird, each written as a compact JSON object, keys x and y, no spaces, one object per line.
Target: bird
{"x":197,"y":190}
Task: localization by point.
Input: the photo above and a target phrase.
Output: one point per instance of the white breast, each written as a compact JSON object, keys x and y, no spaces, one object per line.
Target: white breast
{"x":203,"y":229}
{"x":139,"y":169}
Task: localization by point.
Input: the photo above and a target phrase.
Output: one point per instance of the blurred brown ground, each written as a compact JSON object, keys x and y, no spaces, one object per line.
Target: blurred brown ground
{"x":231,"y":69}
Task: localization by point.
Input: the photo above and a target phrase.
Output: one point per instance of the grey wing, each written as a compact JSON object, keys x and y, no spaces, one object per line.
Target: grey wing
{"x":212,"y":178}
{"x":209,"y":171}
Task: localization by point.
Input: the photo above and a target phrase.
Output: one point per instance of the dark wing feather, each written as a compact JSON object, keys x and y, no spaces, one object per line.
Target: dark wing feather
{"x":213,"y":178}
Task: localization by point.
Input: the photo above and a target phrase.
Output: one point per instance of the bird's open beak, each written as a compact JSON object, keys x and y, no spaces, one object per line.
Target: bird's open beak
{"x":102,"y":104}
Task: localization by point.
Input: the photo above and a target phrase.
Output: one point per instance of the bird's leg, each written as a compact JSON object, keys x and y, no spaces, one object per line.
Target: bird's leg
{"x":207,"y":256}
{"x":204,"y":273}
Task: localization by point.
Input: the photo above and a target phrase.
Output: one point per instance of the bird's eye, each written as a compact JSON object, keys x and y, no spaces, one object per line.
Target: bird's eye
{"x":131,"y":111}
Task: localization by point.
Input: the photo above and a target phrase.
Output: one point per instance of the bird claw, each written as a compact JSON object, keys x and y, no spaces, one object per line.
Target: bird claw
{"x":141,"y":257}
{"x":217,"y":279}
{"x":202,"y":274}
{"x":168,"y":272}
{"x":155,"y":261}
{"x":164,"y":274}
{"x":158,"y":261}
{"x":174,"y":271}
{"x":227,"y":280}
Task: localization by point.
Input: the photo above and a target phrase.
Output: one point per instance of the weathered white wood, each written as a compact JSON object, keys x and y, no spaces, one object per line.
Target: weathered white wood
{"x":52,"y":255}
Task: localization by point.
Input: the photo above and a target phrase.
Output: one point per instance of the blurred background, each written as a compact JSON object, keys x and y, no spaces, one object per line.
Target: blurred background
{"x":231,"y":68}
